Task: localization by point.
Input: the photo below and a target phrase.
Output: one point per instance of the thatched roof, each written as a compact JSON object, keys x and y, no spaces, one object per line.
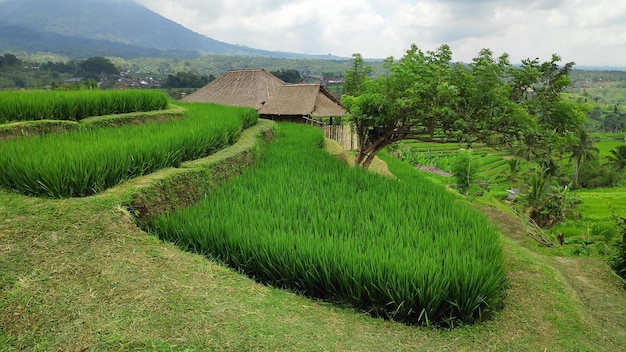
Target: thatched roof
{"x":303,"y":100}
{"x":269,"y":95}
{"x":239,"y":88}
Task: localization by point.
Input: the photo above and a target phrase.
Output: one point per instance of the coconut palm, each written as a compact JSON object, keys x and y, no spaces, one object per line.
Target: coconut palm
{"x":581,"y":150}
{"x":617,"y":159}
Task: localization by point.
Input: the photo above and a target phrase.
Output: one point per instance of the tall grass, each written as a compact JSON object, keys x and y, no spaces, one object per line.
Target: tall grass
{"x":300,"y":219}
{"x":76,"y":105}
{"x":84,"y":162}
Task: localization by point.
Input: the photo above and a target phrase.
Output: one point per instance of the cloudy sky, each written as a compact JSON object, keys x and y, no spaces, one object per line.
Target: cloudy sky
{"x":589,"y":32}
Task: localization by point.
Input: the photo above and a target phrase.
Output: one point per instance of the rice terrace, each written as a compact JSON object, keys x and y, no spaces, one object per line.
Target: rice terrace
{"x":139,"y":223}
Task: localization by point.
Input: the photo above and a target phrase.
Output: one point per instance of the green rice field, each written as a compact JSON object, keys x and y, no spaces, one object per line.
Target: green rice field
{"x":76,"y":105}
{"x":403,"y":249}
{"x":594,"y":228}
{"x":87,"y":161}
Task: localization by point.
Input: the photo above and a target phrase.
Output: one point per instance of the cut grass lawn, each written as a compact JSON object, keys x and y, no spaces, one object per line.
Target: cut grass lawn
{"x":77,"y":274}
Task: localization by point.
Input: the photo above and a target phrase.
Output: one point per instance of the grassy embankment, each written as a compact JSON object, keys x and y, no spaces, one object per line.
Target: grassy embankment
{"x":78,"y":274}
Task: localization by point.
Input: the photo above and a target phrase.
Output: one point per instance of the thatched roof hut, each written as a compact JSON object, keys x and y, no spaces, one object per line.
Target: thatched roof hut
{"x":252,"y":87}
{"x":270,"y":96}
{"x":302,"y":100}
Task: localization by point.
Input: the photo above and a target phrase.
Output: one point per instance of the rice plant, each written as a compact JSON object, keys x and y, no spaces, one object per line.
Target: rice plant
{"x":404,"y":249}
{"x":76,"y":105}
{"x":84,"y":162}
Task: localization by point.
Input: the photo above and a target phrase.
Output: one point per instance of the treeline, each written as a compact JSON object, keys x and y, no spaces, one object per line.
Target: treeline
{"x":9,"y":60}
{"x":187,"y":80}
{"x":607,"y":118}
{"x":288,"y":75}
{"x":90,"y":73}
{"x":93,"y":67}
{"x":597,"y":76}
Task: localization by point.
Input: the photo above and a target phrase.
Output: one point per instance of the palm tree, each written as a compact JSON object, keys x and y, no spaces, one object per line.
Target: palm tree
{"x":581,"y":150}
{"x":531,"y":148}
{"x":617,"y":159}
{"x":514,"y":170}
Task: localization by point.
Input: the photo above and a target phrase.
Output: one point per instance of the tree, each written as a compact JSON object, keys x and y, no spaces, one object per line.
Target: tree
{"x":581,"y":150}
{"x":356,"y":77}
{"x":546,"y":201}
{"x":423,"y":96}
{"x":288,"y":75}
{"x":617,"y":158}
{"x":9,"y":60}
{"x":464,"y":169}
{"x":537,"y":87}
{"x":95,"y":66}
{"x":186,"y":80}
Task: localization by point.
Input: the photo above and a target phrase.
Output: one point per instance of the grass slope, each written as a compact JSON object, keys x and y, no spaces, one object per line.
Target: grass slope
{"x":77,"y":274}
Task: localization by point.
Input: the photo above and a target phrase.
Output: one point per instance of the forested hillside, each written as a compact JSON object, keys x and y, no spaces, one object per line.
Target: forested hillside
{"x":124,"y":28}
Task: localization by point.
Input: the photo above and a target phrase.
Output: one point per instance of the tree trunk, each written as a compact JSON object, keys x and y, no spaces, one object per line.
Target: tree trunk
{"x":576,"y":171}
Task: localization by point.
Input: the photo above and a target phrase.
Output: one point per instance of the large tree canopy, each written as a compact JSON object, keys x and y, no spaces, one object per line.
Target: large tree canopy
{"x":425,"y":96}
{"x":95,"y":66}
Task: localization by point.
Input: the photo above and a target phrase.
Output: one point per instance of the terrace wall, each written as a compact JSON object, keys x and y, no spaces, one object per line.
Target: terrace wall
{"x":181,"y":187}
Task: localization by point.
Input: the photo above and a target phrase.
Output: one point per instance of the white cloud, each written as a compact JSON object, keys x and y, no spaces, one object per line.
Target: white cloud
{"x":588,"y":32}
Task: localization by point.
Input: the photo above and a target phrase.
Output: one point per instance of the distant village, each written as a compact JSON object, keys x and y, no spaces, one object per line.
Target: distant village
{"x":128,"y":81}
{"x":125,"y":81}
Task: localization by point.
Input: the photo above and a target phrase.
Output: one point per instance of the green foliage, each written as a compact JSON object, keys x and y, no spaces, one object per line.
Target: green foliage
{"x":425,"y":96}
{"x":580,"y":150}
{"x":88,"y":161}
{"x":465,"y":169}
{"x":546,"y":202}
{"x":357,"y":76}
{"x":76,"y":105}
{"x":593,"y":174}
{"x":288,"y":75}
{"x":414,"y":155}
{"x":408,"y":250}
{"x":96,"y":66}
{"x":187,"y":80}
{"x":9,"y":60}
{"x":618,"y":260}
{"x":617,"y":158}
{"x":591,"y":219}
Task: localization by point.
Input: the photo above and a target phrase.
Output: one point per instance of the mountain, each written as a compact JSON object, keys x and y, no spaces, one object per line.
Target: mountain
{"x":82,"y":28}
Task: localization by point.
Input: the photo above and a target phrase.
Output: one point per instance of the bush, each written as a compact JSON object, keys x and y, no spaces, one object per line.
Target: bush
{"x":618,"y":260}
{"x":593,"y":174}
{"x":464,"y":169}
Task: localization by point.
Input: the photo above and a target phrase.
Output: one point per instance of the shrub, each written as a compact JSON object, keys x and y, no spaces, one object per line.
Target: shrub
{"x":464,"y":168}
{"x":593,"y":174}
{"x":618,"y":260}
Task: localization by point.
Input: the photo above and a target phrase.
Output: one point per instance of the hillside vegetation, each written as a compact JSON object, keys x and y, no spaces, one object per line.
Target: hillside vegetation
{"x":421,"y":258}
{"x":78,"y":274}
